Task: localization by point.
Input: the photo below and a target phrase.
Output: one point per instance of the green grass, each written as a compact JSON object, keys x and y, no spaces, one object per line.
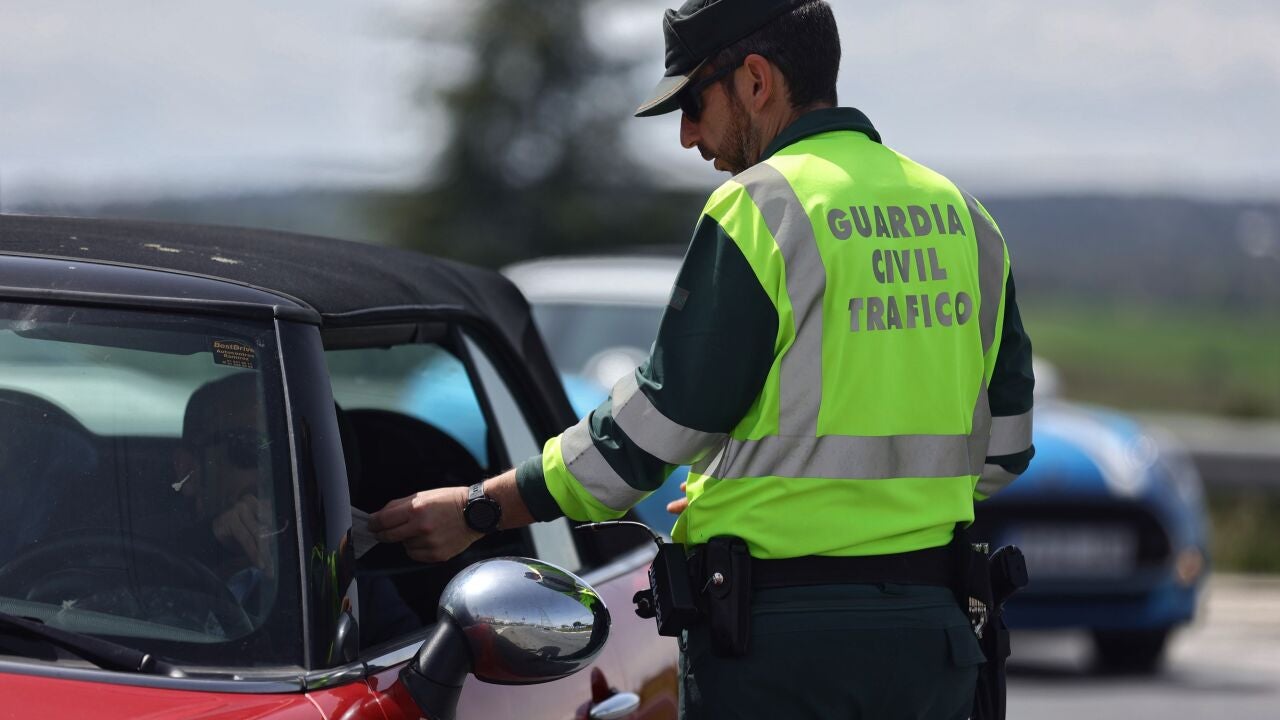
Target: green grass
{"x":1187,"y":359}
{"x":1202,"y":360}
{"x":1246,"y":531}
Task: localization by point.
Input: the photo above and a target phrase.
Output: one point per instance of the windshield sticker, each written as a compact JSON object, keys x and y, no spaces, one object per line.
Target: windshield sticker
{"x":234,"y":353}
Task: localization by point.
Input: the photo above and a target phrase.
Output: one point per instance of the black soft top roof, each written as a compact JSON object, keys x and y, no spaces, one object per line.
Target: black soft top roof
{"x":335,"y":277}
{"x":347,"y":283}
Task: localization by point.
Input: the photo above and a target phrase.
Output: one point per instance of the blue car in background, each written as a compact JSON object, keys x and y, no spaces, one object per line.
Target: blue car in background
{"x":1111,"y":518}
{"x":1110,"y":514}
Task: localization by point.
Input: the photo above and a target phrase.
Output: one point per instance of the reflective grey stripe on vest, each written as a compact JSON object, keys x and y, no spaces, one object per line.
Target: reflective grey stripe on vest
{"x":593,"y":472}
{"x":869,"y":457}
{"x":994,"y":479}
{"x":980,"y":432}
{"x":654,"y":432}
{"x":852,"y":457}
{"x":990,"y":271}
{"x":800,"y":377}
{"x":1010,"y":435}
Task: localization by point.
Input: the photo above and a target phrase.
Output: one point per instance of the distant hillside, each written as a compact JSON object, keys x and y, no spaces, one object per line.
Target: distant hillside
{"x":1143,"y":303}
{"x":1151,"y":250}
{"x":1145,"y":249}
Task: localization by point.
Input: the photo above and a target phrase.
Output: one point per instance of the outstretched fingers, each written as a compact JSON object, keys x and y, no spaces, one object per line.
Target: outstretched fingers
{"x":429,"y":523}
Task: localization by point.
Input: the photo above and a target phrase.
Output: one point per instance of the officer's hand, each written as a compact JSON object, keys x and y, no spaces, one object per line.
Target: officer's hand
{"x":429,"y":524}
{"x":675,"y":507}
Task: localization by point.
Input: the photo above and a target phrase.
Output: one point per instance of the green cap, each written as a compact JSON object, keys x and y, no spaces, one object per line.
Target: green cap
{"x":700,"y":29}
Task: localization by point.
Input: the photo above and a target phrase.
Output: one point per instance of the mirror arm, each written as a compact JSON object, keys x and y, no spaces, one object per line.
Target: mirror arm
{"x":434,"y":678}
{"x":346,"y":639}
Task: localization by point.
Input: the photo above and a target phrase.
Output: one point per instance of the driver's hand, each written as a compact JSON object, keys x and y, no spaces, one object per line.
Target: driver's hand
{"x":244,"y":527}
{"x":429,"y":523}
{"x":675,"y":507}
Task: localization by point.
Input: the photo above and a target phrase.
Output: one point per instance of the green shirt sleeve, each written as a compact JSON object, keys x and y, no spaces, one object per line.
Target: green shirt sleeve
{"x":1012,"y":381}
{"x":706,"y":367}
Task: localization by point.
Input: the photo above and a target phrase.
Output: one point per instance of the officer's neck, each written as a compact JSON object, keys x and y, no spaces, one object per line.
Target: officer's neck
{"x":776,"y":117}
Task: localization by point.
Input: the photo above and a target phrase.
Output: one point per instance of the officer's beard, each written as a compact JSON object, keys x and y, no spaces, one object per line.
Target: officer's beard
{"x":742,"y":139}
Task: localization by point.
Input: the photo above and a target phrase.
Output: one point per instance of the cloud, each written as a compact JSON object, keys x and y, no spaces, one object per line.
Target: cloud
{"x":134,"y":85}
{"x":1090,"y":94}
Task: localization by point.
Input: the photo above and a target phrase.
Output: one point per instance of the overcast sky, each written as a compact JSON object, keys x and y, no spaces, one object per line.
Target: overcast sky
{"x":134,"y":98}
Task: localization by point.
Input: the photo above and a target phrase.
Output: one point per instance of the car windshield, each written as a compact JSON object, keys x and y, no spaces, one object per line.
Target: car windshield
{"x":147,"y":485}
{"x":599,"y":342}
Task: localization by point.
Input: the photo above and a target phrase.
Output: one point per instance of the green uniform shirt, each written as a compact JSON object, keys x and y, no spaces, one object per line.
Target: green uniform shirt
{"x":715,"y":347}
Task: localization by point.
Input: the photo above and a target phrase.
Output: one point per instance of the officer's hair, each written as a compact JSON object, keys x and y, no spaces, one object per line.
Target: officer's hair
{"x":805,"y":46}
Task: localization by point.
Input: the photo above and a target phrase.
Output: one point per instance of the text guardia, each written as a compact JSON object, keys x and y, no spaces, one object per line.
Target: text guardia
{"x":890,"y":267}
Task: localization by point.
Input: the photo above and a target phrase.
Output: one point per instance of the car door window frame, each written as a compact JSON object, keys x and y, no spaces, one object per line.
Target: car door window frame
{"x":460,"y":337}
{"x":466,"y":337}
{"x":597,"y":549}
{"x":553,"y":541}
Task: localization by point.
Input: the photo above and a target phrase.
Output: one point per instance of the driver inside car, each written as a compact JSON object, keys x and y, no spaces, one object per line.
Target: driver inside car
{"x":224,"y":454}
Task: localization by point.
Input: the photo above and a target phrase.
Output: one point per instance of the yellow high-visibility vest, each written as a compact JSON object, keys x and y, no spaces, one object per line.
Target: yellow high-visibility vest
{"x":870,"y":433}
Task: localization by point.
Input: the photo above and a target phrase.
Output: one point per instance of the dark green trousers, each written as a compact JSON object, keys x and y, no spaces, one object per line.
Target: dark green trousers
{"x":873,"y":652}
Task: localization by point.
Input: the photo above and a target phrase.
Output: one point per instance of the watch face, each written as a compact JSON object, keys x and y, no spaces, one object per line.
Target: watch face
{"x":482,"y":515}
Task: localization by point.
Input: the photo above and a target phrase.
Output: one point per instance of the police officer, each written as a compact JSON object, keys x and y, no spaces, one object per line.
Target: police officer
{"x":843,"y":364}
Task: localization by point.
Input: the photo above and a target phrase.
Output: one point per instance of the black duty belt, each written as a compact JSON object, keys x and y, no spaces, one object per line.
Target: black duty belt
{"x":713,"y":587}
{"x":931,"y":566}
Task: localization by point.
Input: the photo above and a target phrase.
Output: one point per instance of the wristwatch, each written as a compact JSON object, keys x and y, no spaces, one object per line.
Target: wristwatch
{"x":481,"y":513}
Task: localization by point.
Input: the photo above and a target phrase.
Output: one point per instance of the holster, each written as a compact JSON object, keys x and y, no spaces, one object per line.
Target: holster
{"x":990,"y":694}
{"x":721,"y":574}
{"x":983,"y":583}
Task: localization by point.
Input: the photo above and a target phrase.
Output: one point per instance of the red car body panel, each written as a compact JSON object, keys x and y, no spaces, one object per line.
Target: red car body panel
{"x":353,"y":701}
{"x":631,"y":662}
{"x":31,"y":696}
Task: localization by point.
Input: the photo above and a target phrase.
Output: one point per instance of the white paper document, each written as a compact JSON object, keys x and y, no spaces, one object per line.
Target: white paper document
{"x":361,"y":538}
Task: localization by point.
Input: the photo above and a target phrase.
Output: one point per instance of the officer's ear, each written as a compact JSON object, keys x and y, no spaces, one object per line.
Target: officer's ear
{"x":763,"y":83}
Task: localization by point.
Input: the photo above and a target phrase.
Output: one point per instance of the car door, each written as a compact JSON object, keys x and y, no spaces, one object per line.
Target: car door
{"x":450,"y":408}
{"x":497,"y":406}
{"x":615,"y":561}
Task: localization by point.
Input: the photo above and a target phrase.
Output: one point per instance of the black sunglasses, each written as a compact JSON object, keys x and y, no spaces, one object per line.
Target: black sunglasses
{"x":690,"y":98}
{"x":245,"y":448}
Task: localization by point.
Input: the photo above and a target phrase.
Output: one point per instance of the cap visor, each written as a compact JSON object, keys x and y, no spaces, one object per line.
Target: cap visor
{"x":663,"y":99}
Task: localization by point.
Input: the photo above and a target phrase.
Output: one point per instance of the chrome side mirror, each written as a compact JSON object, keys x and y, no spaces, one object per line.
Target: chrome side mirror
{"x":512,"y":621}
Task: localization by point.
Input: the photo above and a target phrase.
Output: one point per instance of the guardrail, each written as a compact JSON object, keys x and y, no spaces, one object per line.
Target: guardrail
{"x":1230,"y":454}
{"x":1236,"y":472}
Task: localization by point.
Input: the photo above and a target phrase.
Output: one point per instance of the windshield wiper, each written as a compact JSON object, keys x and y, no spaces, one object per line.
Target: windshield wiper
{"x":103,"y":653}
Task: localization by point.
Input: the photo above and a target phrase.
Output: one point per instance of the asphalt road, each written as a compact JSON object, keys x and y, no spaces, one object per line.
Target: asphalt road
{"x":1224,"y":667}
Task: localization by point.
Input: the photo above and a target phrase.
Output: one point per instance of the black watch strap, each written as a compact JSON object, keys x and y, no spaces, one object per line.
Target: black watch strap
{"x":481,"y":513}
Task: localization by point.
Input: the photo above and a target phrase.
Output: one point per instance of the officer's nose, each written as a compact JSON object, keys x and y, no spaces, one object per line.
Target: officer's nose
{"x":689,"y":135}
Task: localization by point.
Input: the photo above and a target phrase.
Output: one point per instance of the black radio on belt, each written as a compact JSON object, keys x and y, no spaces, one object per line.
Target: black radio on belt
{"x":670,"y":596}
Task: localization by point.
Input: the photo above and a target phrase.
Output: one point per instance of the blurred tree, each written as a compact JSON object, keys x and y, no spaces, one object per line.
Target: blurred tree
{"x":534,"y":162}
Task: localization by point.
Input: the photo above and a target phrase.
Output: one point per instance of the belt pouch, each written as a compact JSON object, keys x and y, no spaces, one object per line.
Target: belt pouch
{"x":726,"y":592}
{"x":674,"y":602}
